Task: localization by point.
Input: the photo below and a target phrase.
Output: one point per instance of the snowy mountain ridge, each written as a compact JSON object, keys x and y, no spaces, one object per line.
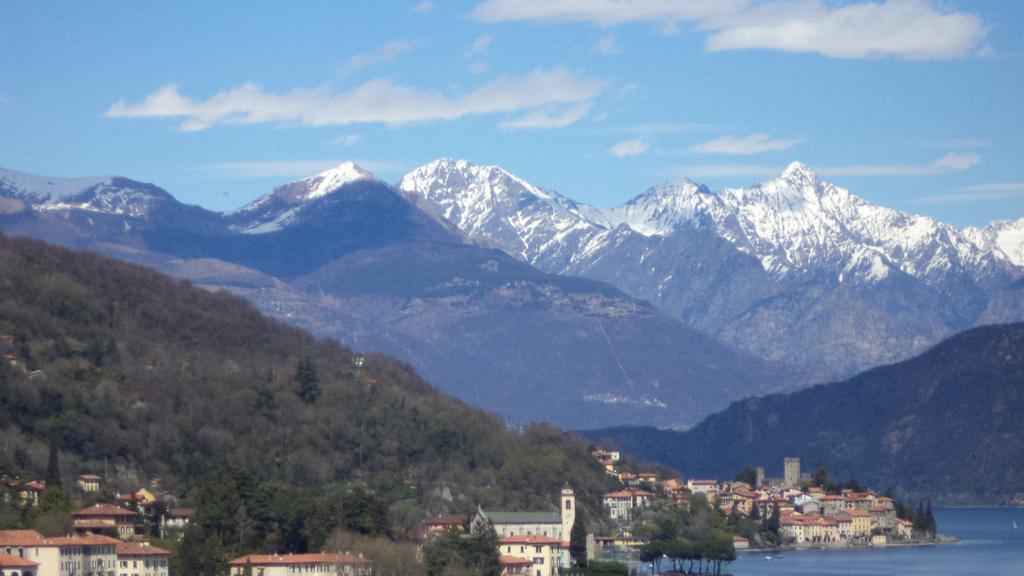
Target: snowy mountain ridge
{"x":793,"y":224}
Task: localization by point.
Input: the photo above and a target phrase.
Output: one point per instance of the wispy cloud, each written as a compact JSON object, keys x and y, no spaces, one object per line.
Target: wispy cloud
{"x":952,"y":162}
{"x":424,"y":6}
{"x":548,"y":118}
{"x":632,"y":147}
{"x":375,"y":101}
{"x":995,"y":191}
{"x":948,"y":163}
{"x":603,"y":12}
{"x":912,"y":29}
{"x":607,"y":45}
{"x":386,"y":53}
{"x":743,"y":146}
{"x":291,"y":168}
{"x":348,"y":139}
{"x":480,"y":46}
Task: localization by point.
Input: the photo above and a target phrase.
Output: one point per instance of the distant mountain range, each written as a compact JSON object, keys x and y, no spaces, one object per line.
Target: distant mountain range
{"x":794,"y":269}
{"x":946,"y":423}
{"x":351,"y":257}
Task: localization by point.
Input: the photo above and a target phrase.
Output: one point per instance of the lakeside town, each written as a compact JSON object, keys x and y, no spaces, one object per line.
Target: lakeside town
{"x":122,"y":536}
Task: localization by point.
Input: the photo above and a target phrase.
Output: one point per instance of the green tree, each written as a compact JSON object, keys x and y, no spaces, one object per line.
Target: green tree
{"x":578,"y":540}
{"x":53,"y":465}
{"x":308,"y":380}
{"x":748,"y":475}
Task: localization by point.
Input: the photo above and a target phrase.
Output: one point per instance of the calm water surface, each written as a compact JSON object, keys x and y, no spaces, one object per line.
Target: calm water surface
{"x":990,"y":546}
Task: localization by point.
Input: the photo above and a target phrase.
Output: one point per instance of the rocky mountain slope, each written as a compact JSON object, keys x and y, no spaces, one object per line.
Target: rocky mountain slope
{"x":794,"y":269}
{"x":945,"y":423}
{"x":350,"y":257}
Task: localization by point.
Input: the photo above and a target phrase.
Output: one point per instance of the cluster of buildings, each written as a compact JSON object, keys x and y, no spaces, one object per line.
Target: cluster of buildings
{"x":531,"y":543}
{"x":29,"y":553}
{"x":300,"y":564}
{"x":807,"y":514}
{"x":23,"y":493}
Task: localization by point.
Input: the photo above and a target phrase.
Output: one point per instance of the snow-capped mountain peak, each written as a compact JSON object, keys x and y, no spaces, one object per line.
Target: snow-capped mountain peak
{"x":799,"y":172}
{"x":330,"y":180}
{"x":41,"y":189}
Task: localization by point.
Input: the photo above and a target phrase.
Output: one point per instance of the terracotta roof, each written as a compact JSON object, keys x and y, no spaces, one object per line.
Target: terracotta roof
{"x":91,"y":477}
{"x":529,"y":539}
{"x":180,"y":512}
{"x":627,"y":494}
{"x":8,"y":561}
{"x":60,"y":542}
{"x":515,"y":561}
{"x":103,"y":510}
{"x":292,"y":559}
{"x":704,"y":482}
{"x":140,"y":549}
{"x":855,"y":512}
{"x":19,"y":534}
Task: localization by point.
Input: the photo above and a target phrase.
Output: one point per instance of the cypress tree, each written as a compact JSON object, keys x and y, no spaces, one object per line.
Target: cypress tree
{"x":53,"y":465}
{"x":578,"y":540}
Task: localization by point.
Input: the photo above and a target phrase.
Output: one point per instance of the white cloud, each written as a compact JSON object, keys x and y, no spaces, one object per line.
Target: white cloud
{"x":424,"y":6}
{"x":603,"y":12}
{"x":348,"y":139}
{"x":292,"y":168}
{"x":384,"y":54}
{"x":631,"y":147}
{"x":375,"y":101}
{"x":480,"y":46}
{"x":752,"y":144}
{"x":913,"y":29}
{"x":607,"y":45}
{"x":548,"y":118}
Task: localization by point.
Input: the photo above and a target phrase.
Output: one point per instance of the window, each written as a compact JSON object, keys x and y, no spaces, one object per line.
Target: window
{"x":568,"y":504}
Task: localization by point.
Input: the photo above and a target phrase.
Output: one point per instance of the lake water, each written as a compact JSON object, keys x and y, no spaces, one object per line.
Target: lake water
{"x":990,"y":547}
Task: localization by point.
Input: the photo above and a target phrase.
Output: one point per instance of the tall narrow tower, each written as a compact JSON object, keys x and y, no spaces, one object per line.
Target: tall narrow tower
{"x":792,"y":472}
{"x":568,"y":508}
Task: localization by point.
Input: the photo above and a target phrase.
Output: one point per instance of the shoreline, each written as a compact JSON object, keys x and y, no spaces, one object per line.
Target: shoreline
{"x":939,"y":540}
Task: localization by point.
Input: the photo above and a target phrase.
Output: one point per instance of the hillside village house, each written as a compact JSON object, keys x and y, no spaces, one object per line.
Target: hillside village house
{"x":141,"y":559}
{"x":515,"y":566}
{"x":300,"y":564}
{"x":65,"y":556}
{"x":175,"y":520}
{"x":14,"y":566}
{"x":437,"y":525}
{"x":706,"y":487}
{"x":89,"y":483}
{"x":98,"y":517}
{"x":622,"y":503}
{"x":543,"y":553}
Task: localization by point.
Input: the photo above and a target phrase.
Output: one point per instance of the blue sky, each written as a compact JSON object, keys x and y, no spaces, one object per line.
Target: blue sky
{"x":914,"y":104}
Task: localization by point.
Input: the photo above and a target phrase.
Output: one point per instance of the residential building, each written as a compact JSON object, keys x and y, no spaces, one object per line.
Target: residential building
{"x":300,"y":565}
{"x":707,"y":487}
{"x":544,"y":552}
{"x":89,"y":483}
{"x":623,"y":503}
{"x":98,"y":517}
{"x":175,"y":520}
{"x":65,"y":556}
{"x":861,"y":523}
{"x":141,"y":559}
{"x":437,"y":525}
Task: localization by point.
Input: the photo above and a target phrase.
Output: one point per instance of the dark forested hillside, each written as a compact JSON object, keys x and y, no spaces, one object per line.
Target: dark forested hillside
{"x":144,"y":376}
{"x":947,"y":422}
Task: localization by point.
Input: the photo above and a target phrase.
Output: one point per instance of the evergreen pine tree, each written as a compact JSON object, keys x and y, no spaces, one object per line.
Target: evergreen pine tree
{"x":308,"y":380}
{"x":53,"y":465}
{"x":929,"y":519}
